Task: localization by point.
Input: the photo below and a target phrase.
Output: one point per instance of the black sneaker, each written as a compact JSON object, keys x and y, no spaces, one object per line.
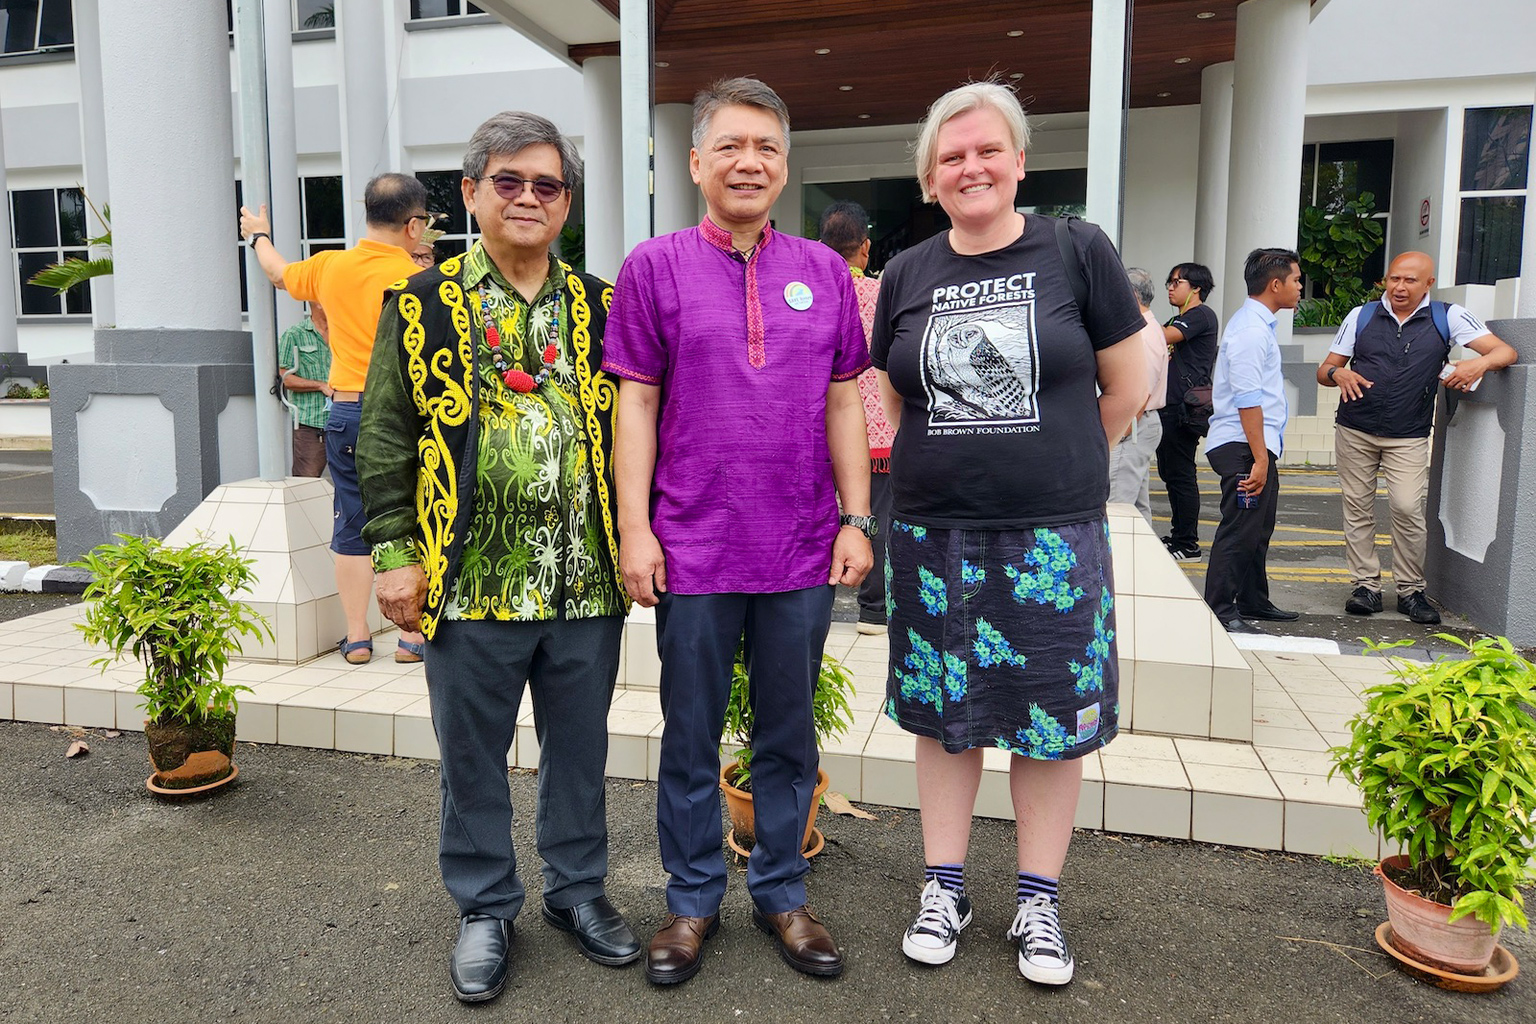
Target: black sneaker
{"x":935,"y":932}
{"x":1364,"y":601}
{"x":1417,"y":607}
{"x":1184,"y":552}
{"x":1043,"y":954}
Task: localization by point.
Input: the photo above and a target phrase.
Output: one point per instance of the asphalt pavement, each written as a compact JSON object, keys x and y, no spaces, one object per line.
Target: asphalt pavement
{"x":26,"y":483}
{"x":308,"y":891}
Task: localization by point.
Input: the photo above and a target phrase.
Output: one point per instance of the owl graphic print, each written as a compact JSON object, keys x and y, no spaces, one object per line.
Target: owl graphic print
{"x":981,"y":354}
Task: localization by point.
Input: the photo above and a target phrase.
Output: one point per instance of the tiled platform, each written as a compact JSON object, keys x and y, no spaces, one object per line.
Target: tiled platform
{"x":1273,"y":794}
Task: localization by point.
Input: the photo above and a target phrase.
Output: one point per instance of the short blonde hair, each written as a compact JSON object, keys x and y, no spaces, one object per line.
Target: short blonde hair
{"x":962,"y":100}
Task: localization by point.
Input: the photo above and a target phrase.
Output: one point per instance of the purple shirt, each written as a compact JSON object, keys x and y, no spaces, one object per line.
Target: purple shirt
{"x":742,"y":499}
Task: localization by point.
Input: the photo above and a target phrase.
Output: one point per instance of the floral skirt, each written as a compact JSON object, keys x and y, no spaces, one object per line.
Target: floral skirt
{"x":1003,"y":638}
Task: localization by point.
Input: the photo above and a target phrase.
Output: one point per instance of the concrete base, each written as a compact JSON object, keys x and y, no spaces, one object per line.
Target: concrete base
{"x":1180,"y":673}
{"x":285,"y":528}
{"x":144,"y":433}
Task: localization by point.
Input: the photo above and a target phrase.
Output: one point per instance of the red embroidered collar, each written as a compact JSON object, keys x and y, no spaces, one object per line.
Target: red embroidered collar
{"x":720,"y":238}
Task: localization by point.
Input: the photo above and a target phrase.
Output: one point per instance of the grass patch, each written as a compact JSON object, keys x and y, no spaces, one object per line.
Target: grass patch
{"x":27,"y":541}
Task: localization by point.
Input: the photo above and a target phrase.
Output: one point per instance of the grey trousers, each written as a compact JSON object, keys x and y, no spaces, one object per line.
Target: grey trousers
{"x":1130,"y":463}
{"x":475,"y":677}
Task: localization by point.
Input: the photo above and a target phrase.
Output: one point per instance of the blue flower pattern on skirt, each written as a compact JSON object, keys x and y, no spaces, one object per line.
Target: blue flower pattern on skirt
{"x":1045,"y":661}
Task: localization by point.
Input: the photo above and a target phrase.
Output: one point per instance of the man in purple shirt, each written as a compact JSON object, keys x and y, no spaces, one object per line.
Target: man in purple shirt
{"x":739,"y":351}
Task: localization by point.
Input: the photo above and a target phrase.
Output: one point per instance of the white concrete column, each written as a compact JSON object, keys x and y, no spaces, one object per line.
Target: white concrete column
{"x":1269,"y":110}
{"x":677,"y":198}
{"x":283,"y":155}
{"x":169,"y":128}
{"x":8,"y":339}
{"x":1106,"y":116}
{"x":636,"y":70}
{"x":603,"y":167}
{"x":93,"y":144}
{"x":1214,"y":169}
{"x":364,"y":96}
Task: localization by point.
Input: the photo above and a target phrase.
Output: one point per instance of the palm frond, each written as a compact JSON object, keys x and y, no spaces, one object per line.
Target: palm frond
{"x":61,"y":277}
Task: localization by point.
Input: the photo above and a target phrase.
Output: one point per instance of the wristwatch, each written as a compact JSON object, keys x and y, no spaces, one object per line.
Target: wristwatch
{"x":867,"y":525}
{"x":1331,"y":371}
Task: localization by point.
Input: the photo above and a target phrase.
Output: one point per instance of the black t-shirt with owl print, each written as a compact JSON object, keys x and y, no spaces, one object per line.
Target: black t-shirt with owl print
{"x":996,"y":368}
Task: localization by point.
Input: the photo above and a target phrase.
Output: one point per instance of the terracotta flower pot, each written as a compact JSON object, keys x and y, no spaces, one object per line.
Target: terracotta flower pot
{"x":191,"y":755}
{"x":739,"y":803}
{"x":1422,"y":928}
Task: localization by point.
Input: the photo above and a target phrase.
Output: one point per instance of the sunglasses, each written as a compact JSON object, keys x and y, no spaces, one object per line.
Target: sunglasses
{"x":510,"y":186}
{"x":430,"y":218}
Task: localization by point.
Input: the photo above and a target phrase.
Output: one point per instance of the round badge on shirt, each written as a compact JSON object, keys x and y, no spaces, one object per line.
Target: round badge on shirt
{"x":798,"y":295}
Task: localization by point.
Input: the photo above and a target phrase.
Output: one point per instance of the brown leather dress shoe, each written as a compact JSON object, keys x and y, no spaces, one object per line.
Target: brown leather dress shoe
{"x":677,"y":951}
{"x":804,"y":942}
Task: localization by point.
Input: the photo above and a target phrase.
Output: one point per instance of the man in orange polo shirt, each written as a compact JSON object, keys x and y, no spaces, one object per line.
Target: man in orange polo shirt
{"x":350,"y":284}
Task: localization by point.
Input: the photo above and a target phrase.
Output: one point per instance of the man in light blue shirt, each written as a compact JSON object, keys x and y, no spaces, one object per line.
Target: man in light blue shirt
{"x":1245,"y":440}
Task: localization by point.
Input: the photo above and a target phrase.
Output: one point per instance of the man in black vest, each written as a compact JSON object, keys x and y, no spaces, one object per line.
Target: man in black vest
{"x":485,"y":458}
{"x":1386,"y":370}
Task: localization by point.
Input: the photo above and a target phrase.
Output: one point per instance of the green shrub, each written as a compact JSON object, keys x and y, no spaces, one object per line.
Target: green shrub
{"x":1445,"y":756}
{"x":173,"y":609}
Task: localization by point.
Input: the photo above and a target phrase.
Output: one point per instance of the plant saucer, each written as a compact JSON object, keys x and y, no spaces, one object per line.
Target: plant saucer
{"x":1500,"y":970}
{"x":158,"y":790}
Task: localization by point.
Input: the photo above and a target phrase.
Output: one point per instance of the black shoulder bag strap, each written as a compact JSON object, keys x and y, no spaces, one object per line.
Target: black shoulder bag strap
{"x":1074,"y":267}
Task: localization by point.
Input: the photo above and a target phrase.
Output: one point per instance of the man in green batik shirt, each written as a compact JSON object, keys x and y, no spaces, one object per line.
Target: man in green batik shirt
{"x":484,"y":456}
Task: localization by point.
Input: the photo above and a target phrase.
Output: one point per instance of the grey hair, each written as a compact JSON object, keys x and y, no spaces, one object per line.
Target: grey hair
{"x":512,"y":131}
{"x":1141,"y":284}
{"x":962,"y":100}
{"x":736,"y":92}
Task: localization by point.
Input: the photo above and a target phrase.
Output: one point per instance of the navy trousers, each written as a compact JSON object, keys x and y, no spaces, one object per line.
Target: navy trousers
{"x":697,"y":636}
{"x":475,"y":677}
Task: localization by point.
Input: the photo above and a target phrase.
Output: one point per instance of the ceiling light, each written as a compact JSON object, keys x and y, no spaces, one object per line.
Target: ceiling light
{"x":1206,"y":15}
{"x":1164,"y":95}
{"x":1014,"y":33}
{"x":823,"y":51}
{"x":663,"y":64}
{"x":1016,"y":75}
{"x":845,"y":88}
{"x":863,"y":117}
{"x":1181,"y":60}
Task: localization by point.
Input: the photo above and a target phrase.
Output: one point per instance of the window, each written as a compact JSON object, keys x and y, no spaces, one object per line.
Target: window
{"x":309,"y":14}
{"x":1495,"y":170}
{"x":1335,"y":173}
{"x":49,"y":226}
{"x":323,"y":220}
{"x":446,"y":197}
{"x":1054,"y":193}
{"x":31,"y":26}
{"x":442,"y":8}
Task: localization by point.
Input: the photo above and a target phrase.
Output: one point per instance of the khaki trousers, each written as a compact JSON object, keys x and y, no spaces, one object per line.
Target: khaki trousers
{"x":1404,"y":463}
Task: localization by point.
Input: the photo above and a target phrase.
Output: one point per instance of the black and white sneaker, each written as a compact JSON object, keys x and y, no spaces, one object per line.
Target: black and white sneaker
{"x":935,"y":932}
{"x":1043,"y":954}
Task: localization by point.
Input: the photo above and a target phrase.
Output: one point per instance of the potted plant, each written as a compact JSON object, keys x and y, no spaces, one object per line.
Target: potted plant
{"x":174,"y":610}
{"x":832,"y":716}
{"x":1444,"y":755}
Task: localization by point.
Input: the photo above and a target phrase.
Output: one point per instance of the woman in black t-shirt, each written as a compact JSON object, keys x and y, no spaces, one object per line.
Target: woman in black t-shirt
{"x":999,"y":597}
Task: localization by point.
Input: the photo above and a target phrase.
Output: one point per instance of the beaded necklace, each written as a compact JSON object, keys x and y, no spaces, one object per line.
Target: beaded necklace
{"x":515,"y":378}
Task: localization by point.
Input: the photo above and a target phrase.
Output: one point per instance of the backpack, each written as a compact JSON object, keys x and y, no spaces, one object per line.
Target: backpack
{"x":1439,"y":314}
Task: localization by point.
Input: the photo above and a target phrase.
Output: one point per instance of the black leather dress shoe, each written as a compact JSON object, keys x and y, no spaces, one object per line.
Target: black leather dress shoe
{"x":478,"y":966}
{"x":1240,"y":626}
{"x":1270,"y":614}
{"x":600,"y":930}
{"x":1417,"y":607}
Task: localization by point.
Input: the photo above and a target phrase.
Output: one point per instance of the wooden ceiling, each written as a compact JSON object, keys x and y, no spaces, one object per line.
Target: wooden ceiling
{"x":900,"y":55}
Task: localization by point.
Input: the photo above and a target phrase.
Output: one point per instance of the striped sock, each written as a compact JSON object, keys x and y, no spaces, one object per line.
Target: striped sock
{"x":1030,"y":884}
{"x":950,"y":876}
